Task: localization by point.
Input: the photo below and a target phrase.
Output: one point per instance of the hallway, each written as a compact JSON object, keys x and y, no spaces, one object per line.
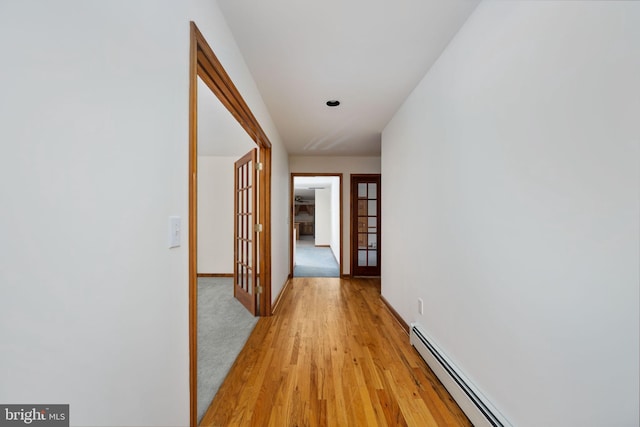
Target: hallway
{"x":332,"y":354}
{"x":314,"y":261}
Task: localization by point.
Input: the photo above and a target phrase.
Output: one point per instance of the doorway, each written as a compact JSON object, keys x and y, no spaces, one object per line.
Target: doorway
{"x":316,"y":225}
{"x":224,"y":322}
{"x":205,"y":67}
{"x":365,"y":225}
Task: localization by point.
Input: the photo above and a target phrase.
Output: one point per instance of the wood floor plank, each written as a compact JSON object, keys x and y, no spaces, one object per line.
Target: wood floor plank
{"x":332,"y":355}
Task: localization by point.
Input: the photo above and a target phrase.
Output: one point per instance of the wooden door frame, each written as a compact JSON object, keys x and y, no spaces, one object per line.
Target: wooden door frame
{"x":353,"y":215}
{"x":203,"y":63}
{"x":292,"y":207}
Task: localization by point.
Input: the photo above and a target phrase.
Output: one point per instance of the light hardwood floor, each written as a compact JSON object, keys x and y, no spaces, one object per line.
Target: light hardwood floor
{"x":331,"y":355}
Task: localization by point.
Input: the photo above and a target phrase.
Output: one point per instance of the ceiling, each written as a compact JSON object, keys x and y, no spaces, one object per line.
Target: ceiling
{"x":306,"y":186}
{"x":368,"y":54}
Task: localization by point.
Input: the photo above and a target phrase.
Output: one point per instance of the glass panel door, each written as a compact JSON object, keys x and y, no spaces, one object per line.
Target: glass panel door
{"x":245,"y":253}
{"x":365,"y":245}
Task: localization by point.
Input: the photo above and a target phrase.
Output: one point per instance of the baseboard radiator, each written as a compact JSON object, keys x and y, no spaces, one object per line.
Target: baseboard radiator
{"x":476,"y":406}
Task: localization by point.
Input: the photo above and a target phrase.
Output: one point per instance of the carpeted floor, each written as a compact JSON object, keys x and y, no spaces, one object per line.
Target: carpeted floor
{"x":224,"y":325}
{"x":312,"y":261}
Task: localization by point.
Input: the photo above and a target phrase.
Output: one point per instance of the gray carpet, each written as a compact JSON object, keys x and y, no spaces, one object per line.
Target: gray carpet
{"x":312,"y":261}
{"x":224,"y":325}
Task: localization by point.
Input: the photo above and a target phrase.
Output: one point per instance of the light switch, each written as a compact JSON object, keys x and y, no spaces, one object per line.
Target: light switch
{"x":175,"y":230}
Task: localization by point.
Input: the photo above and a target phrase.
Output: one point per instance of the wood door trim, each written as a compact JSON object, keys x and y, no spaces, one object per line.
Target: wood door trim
{"x":204,"y":63}
{"x":291,"y":210}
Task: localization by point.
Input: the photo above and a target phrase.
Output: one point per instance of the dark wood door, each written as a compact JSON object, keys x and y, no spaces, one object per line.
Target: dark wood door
{"x":245,"y":244}
{"x":365,"y":225}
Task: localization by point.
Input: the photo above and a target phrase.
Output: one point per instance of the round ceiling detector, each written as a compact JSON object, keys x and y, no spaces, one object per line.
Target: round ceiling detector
{"x":333,"y":103}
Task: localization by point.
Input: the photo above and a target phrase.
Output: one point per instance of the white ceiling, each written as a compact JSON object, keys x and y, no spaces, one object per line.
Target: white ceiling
{"x":305,"y":186}
{"x":368,"y":54}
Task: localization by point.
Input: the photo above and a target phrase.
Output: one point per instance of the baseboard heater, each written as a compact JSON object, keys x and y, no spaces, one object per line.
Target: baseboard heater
{"x":476,"y":406}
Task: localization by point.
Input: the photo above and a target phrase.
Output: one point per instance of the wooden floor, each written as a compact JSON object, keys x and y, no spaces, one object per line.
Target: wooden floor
{"x":331,"y":355}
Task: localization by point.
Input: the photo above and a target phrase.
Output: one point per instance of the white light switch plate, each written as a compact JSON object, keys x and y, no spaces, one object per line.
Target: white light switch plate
{"x":175,"y":231}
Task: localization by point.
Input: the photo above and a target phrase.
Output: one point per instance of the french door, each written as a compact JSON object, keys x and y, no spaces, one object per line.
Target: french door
{"x":365,"y":225}
{"x":245,"y":244}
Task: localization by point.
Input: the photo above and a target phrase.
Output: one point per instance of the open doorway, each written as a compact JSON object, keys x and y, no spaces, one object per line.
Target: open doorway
{"x":316,"y":226}
{"x":224,"y":322}
{"x":207,"y":73}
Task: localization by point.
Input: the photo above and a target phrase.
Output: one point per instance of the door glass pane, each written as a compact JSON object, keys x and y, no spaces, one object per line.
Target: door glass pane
{"x":373,"y":259}
{"x":362,"y":191}
{"x":372,"y":208}
{"x":373,"y":241}
{"x":373,"y":193}
{"x":244,"y":252}
{"x":362,"y":207}
{"x":362,"y":240}
{"x":372,"y":224}
{"x":362,"y":224}
{"x":362,"y":258}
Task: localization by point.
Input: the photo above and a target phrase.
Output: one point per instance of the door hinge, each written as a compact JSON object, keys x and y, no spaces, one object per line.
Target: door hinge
{"x":258,"y":228}
{"x":258,"y":166}
{"x":259,"y":289}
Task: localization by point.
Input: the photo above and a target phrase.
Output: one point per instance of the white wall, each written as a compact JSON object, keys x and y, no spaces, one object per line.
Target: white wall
{"x":94,"y":127}
{"x":280,"y":214}
{"x":335,"y":218}
{"x":323,"y":217}
{"x":337,"y":165}
{"x":215,"y":214}
{"x":517,"y":156}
